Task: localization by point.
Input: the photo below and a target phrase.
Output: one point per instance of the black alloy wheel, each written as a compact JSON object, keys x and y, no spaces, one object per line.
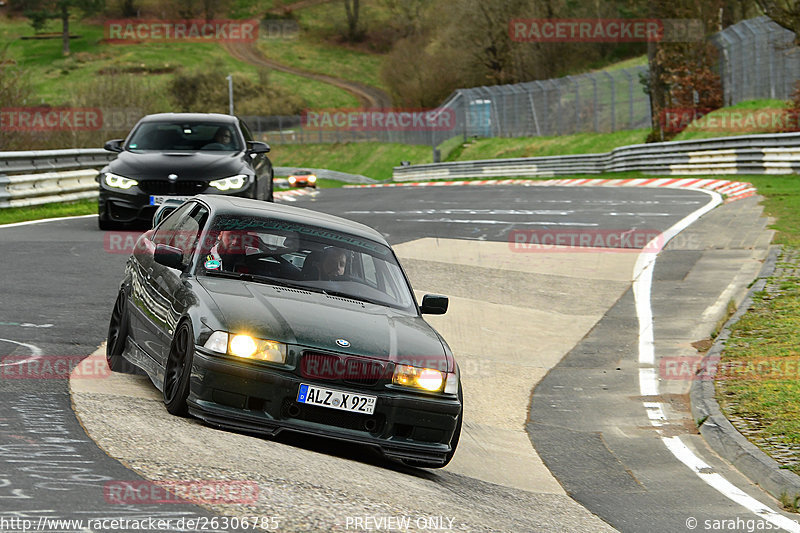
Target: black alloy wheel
{"x":178,"y":369}
{"x":117,"y":337}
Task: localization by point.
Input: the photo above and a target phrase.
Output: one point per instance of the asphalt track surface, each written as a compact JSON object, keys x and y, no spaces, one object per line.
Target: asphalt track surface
{"x":59,"y":283}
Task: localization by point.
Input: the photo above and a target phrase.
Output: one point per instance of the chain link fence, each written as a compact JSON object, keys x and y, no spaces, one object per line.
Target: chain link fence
{"x":758,"y":59}
{"x":602,"y":102}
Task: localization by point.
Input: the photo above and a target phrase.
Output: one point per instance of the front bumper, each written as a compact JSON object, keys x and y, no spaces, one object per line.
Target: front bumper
{"x":260,"y":399}
{"x":133,"y":205}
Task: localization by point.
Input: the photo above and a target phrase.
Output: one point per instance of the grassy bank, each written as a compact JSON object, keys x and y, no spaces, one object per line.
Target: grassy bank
{"x":758,"y":388}
{"x":21,"y":214}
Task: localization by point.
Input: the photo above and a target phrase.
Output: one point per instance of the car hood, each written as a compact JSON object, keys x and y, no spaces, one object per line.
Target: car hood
{"x":314,"y":320}
{"x":187,"y":165}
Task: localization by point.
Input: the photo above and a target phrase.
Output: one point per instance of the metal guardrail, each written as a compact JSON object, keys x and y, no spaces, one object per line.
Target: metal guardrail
{"x":39,"y":177}
{"x":751,"y":154}
{"x":49,"y":176}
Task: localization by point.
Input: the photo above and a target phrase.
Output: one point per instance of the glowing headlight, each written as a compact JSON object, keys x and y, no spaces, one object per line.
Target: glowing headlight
{"x":419,"y":378}
{"x":292,"y":179}
{"x":119,"y":182}
{"x":231,"y":183}
{"x":247,"y":347}
{"x":312,"y":179}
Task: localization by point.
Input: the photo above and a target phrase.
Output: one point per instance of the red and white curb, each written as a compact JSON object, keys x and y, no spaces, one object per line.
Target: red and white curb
{"x":289,"y":196}
{"x":732,"y":190}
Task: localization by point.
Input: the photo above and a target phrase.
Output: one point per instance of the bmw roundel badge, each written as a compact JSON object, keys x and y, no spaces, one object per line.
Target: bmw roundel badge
{"x":343,"y":343}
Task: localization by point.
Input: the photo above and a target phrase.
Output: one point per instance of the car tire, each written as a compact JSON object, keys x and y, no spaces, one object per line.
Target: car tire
{"x":106,"y":224}
{"x":453,"y":442}
{"x":118,"y":328}
{"x":178,"y":369}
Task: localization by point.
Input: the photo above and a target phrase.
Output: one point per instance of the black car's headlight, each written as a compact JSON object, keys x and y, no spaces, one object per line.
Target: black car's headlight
{"x":230,"y":183}
{"x":246,"y":347}
{"x":427,"y":379}
{"x":119,"y":182}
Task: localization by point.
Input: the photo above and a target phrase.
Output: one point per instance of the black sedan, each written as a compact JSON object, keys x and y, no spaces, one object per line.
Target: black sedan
{"x":263,"y":318}
{"x":179,"y":155}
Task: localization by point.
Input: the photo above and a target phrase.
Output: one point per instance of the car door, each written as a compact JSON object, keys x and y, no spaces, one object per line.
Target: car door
{"x":148,"y":308}
{"x":167,"y":284}
{"x":262,"y":167}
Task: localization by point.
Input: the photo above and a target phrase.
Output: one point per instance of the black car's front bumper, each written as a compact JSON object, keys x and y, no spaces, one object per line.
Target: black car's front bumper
{"x":256,"y":398}
{"x":133,"y":205}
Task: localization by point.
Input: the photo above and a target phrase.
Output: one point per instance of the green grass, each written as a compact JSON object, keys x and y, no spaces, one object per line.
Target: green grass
{"x":55,"y":79}
{"x":781,"y":201}
{"x":374,"y":160}
{"x":580,"y":143}
{"x":316,"y":56}
{"x":21,"y":214}
{"x":715,"y":124}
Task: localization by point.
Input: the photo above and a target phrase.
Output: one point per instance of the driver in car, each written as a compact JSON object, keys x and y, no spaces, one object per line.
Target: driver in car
{"x":334,"y":263}
{"x":240,"y":251}
{"x":223,"y":140}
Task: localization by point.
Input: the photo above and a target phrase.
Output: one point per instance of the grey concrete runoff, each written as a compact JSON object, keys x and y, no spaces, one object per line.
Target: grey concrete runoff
{"x":717,"y":430}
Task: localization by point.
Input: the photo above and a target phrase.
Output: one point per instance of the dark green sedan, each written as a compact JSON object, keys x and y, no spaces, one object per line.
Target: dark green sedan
{"x":263,"y":318}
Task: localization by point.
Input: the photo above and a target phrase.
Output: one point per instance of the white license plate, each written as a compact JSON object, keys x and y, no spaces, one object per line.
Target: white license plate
{"x":160,"y":199}
{"x":336,"y":399}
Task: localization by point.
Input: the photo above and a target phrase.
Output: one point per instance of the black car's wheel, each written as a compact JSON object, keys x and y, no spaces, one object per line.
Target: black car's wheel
{"x":453,"y":442}
{"x":106,"y":224}
{"x":118,"y":336}
{"x":176,"y":373}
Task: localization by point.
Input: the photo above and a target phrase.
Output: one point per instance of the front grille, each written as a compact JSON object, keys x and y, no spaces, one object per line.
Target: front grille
{"x":344,"y":368}
{"x":183,"y":188}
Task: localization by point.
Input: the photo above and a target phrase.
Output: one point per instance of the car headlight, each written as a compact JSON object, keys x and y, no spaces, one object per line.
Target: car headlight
{"x":312,"y":179}
{"x":230,"y":183}
{"x":292,"y":179}
{"x":419,"y":378}
{"x":247,"y":347}
{"x":119,"y":182}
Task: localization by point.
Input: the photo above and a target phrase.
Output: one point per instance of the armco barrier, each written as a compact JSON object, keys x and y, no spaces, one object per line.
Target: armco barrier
{"x":777,"y":153}
{"x":48,"y":176}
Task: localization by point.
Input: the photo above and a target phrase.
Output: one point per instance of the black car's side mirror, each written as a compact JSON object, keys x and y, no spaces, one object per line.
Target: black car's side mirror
{"x":434,"y":304}
{"x":257,"y":147}
{"x":114,"y":145}
{"x":169,"y":256}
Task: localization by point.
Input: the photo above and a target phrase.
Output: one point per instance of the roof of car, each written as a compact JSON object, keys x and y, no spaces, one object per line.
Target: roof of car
{"x":246,"y":206}
{"x":189,"y":117}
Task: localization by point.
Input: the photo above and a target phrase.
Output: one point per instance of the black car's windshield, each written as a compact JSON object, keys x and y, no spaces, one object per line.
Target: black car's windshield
{"x":297,"y":255}
{"x":178,"y":136}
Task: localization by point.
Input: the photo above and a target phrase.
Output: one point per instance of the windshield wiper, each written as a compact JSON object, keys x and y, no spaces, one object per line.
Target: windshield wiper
{"x":231,"y":275}
{"x":349,"y":296}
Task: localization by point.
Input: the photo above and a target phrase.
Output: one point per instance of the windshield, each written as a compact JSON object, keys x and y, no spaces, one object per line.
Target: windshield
{"x":169,"y":136}
{"x":308,"y":257}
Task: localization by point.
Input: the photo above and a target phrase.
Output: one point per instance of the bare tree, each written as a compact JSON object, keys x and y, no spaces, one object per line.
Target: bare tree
{"x":39,"y":11}
{"x":352,"y":8}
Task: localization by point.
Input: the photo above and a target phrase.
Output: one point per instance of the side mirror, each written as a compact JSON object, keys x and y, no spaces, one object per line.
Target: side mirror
{"x":257,"y":147}
{"x":434,"y":304}
{"x":169,"y":256}
{"x":165,"y":209}
{"x":114,"y":145}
